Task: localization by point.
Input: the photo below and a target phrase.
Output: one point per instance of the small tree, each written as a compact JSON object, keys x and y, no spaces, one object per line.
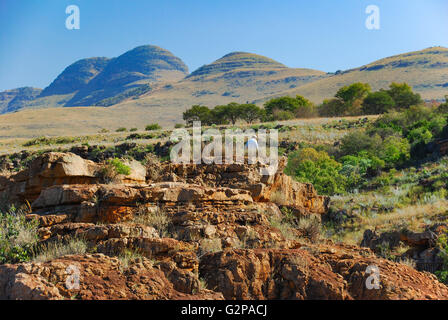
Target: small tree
{"x":233,"y":112}
{"x":305,"y":108}
{"x":281,"y":104}
{"x":377,"y":103}
{"x":403,"y":95}
{"x":250,"y":112}
{"x":349,"y":94}
{"x":332,"y":108}
{"x":197,"y":113}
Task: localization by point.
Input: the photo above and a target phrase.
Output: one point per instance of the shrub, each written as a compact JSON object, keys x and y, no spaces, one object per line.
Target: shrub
{"x":127,"y":257}
{"x":18,"y":236}
{"x":133,"y":129}
{"x":121,"y":130}
{"x":152,"y":127}
{"x":310,"y":228}
{"x":310,"y":166}
{"x":357,"y":167}
{"x":178,"y":126}
{"x":357,"y":141}
{"x":394,"y":151}
{"x":281,"y":104}
{"x":112,"y":169}
{"x":251,"y":112}
{"x":53,"y":250}
{"x":442,"y":244}
{"x":403,"y":95}
{"x":356,"y":91}
{"x":153,"y":217}
{"x":281,"y":115}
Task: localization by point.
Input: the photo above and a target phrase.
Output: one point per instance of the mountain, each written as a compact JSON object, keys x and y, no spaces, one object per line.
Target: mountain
{"x":426,"y":71}
{"x":236,"y":77}
{"x":13,"y":100}
{"x":76,"y":76}
{"x":142,"y":65}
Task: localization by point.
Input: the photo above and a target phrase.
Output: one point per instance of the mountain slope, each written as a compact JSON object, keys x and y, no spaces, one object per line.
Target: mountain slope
{"x":426,"y":71}
{"x":76,"y":76}
{"x":13,"y":100}
{"x":238,"y":76}
{"x":144,"y":64}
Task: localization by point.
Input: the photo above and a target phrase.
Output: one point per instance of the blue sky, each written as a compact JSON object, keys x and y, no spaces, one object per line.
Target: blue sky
{"x":327,"y":35}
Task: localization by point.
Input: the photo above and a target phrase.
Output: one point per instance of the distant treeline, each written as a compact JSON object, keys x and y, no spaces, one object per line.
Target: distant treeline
{"x":353,"y":100}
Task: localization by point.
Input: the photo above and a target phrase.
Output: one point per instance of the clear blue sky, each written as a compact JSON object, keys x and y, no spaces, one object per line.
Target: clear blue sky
{"x":327,"y":35}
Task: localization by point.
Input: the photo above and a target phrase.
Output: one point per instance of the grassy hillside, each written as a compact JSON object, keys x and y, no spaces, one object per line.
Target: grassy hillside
{"x":238,"y":77}
{"x":426,"y":71}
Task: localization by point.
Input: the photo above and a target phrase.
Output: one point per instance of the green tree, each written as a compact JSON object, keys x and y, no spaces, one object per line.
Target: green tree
{"x":305,"y":108}
{"x":197,"y":113}
{"x":281,"y":104}
{"x":250,"y":112}
{"x":377,"y":103}
{"x":403,"y":95}
{"x":349,"y":94}
{"x":332,"y":108}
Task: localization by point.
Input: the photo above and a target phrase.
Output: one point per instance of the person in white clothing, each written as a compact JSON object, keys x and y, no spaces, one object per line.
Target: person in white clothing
{"x":252,"y":143}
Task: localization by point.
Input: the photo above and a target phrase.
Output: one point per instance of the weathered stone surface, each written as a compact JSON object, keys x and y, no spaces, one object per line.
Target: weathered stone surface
{"x":50,"y":169}
{"x":219,"y":223}
{"x":315,"y":272}
{"x":100,"y":279}
{"x":277,"y":188}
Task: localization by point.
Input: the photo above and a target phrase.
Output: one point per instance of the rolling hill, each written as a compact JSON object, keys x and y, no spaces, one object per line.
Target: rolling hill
{"x":149,"y":84}
{"x":426,"y":71}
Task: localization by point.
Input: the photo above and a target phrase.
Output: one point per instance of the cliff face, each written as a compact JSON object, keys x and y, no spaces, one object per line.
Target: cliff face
{"x":189,"y":225}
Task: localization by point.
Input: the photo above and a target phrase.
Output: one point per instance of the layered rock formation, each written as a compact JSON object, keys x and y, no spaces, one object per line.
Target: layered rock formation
{"x":214,"y":234}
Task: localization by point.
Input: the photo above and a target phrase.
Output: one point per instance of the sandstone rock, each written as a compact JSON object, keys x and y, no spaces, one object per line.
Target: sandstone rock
{"x":317,"y":272}
{"x":50,"y":169}
{"x":100,"y":279}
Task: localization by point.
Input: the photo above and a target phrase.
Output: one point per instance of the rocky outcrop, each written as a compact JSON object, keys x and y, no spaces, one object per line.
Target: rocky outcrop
{"x":100,"y":278}
{"x":315,"y":272}
{"x":277,"y":188}
{"x":191,"y":228}
{"x":58,"y":169}
{"x":422,"y":245}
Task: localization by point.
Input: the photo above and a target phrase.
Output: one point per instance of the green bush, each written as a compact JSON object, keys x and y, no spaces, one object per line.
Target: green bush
{"x":377,"y":103}
{"x":152,"y":127}
{"x":310,"y":166}
{"x":332,"y":108}
{"x":18,"y":237}
{"x":121,"y":130}
{"x":356,"y":168}
{"x":358,"y":141}
{"x":394,"y":151}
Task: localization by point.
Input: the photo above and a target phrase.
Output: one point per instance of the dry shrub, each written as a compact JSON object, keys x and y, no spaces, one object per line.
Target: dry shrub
{"x":153,"y":217}
{"x":54,"y":250}
{"x":153,"y":167}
